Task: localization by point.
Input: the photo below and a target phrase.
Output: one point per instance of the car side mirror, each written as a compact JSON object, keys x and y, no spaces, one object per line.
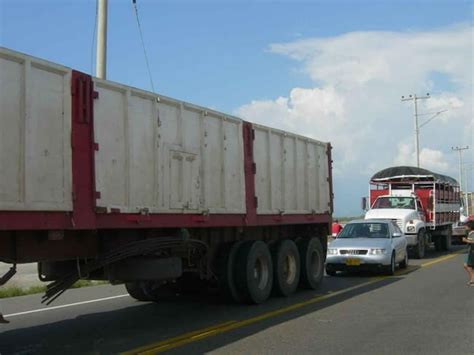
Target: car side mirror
{"x":396,"y":235}
{"x":364,"y":203}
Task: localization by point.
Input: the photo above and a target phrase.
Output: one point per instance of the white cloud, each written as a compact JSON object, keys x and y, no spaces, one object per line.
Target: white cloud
{"x":430,"y":159}
{"x":359,"y":78}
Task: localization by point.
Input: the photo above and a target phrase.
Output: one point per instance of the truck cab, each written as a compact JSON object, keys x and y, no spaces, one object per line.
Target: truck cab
{"x":405,"y":209}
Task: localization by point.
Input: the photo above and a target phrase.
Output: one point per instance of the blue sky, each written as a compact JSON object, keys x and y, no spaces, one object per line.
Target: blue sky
{"x":241,"y":56}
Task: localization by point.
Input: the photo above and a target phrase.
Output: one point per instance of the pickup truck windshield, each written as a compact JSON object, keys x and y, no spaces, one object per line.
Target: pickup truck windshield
{"x":365,"y":230}
{"x":395,"y":202}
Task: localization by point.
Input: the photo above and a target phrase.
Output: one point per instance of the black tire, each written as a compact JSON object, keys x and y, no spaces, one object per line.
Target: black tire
{"x":446,"y":239}
{"x":286,"y":267}
{"x":312,"y":263}
{"x":253,"y":272}
{"x":137,"y":290}
{"x":404,"y":263}
{"x":225,"y":271}
{"x":390,"y":269}
{"x":421,"y":246}
{"x":330,"y":271}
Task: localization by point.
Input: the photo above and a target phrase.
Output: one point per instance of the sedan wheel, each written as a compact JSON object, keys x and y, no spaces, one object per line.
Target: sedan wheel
{"x":404,"y":263}
{"x":391,"y":268}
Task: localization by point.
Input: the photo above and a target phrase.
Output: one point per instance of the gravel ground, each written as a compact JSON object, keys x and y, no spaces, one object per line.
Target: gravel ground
{"x":26,"y":275}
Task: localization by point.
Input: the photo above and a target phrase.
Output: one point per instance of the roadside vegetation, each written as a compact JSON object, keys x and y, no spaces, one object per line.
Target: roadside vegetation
{"x":14,"y":291}
{"x":347,"y":219}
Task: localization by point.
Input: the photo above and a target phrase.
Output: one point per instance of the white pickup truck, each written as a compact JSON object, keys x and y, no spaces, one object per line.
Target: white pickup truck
{"x":424,"y":205}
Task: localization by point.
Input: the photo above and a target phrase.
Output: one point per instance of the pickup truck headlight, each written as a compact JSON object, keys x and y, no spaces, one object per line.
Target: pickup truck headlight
{"x":377,"y":251}
{"x":411,"y":229}
{"x":332,"y":251}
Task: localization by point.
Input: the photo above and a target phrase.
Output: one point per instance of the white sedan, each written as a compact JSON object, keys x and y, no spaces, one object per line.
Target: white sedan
{"x":370,"y":244}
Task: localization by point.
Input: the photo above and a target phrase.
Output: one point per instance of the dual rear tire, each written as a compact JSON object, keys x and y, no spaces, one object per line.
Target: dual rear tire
{"x":252,"y":271}
{"x":249,"y":271}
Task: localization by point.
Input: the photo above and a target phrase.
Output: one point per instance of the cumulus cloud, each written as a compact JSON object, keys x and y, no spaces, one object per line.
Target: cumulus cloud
{"x":354,"y":103}
{"x":432,"y":159}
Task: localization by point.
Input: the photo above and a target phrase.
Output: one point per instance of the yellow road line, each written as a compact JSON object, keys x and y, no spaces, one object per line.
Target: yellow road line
{"x":163,"y":345}
{"x":442,"y":258}
{"x":200,"y":334}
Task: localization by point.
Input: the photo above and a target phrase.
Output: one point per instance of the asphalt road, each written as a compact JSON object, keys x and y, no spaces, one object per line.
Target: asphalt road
{"x":429,"y":310}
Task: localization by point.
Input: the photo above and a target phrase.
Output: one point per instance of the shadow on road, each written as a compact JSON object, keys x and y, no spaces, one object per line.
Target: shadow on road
{"x":142,"y":323}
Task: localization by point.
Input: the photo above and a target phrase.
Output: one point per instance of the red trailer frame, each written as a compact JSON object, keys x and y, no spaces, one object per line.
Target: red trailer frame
{"x":33,"y":236}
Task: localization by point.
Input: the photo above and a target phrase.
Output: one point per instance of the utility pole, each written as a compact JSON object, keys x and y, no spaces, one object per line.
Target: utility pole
{"x":459,"y":150}
{"x":415,"y":99}
{"x":101,"y":61}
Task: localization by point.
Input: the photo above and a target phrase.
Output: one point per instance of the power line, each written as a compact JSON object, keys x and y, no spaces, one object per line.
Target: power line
{"x":134,"y":2}
{"x":93,"y":39}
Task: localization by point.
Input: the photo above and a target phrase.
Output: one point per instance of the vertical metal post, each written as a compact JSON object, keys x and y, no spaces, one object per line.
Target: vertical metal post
{"x":415,"y":99}
{"x":417,"y":135}
{"x":459,"y":150}
{"x":101,"y":62}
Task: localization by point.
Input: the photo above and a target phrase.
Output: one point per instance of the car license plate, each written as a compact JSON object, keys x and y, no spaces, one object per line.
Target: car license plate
{"x":352,"y":262}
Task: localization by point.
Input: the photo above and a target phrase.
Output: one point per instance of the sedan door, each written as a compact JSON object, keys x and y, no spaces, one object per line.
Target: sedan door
{"x":399,"y":243}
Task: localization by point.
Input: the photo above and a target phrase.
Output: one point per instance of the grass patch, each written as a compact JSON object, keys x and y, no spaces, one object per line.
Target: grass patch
{"x":14,"y":291}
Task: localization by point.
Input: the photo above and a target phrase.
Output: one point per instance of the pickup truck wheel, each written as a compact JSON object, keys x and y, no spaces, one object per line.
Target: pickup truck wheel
{"x":404,"y":263}
{"x":312,"y":263}
{"x":137,"y":291}
{"x":226,"y":270}
{"x":254,"y":272}
{"x":420,"y":247}
{"x":286,"y":267}
{"x":446,"y":239}
{"x":390,"y":269}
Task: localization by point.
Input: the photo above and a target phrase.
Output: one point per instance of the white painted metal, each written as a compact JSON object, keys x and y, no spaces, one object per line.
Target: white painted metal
{"x":292,"y":173}
{"x":101,"y":60}
{"x":156,"y":154}
{"x":160,"y":155}
{"x":35,"y":134}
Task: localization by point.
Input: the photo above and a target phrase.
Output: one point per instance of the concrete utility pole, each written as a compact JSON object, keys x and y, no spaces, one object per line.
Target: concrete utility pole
{"x":459,"y":150}
{"x":415,"y":98}
{"x":101,"y":62}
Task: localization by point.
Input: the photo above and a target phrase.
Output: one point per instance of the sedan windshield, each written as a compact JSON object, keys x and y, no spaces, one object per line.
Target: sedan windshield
{"x":365,"y":230}
{"x":395,"y":202}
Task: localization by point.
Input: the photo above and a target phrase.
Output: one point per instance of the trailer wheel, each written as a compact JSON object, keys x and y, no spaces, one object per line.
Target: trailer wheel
{"x":226,"y":269}
{"x":420,"y":247}
{"x":137,"y":291}
{"x":446,"y":240}
{"x":286,"y":267}
{"x":312,"y":262}
{"x":254,"y":271}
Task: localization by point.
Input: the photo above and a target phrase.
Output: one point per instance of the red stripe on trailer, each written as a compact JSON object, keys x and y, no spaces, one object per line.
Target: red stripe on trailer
{"x":249,"y":170}
{"x":122,"y":220}
{"x":16,"y":220}
{"x":63,"y":221}
{"x":331,"y":193}
{"x":83,"y":147}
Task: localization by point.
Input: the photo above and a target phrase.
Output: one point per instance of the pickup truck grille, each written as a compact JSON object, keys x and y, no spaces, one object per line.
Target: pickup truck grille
{"x":352,"y":252}
{"x":399,"y":223}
